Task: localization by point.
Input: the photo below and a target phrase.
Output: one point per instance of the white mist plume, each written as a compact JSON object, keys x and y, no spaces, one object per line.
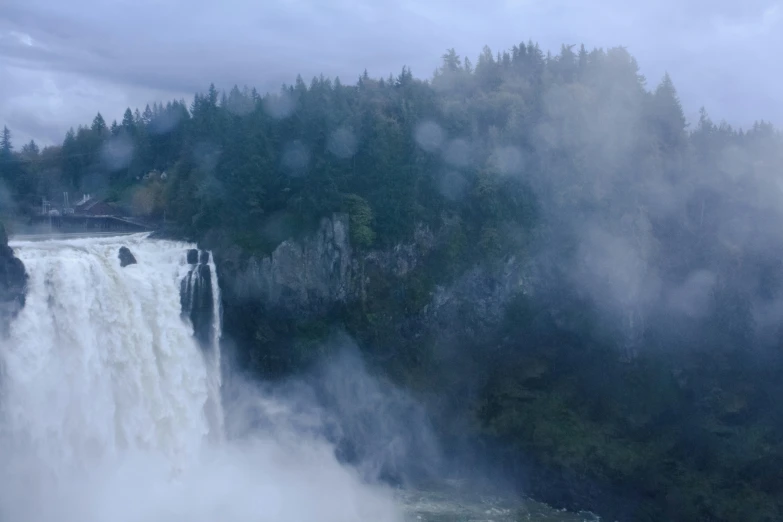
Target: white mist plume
{"x":103,"y":399}
{"x":377,"y":428}
{"x":429,"y":136}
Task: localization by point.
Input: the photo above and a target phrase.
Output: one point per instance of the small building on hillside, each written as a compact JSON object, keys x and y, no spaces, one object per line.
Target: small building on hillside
{"x":89,"y":206}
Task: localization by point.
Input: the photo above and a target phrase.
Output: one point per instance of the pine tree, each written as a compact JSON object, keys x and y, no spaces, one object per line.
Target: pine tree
{"x":6,"y":147}
{"x":146,"y":117}
{"x":505,"y":59}
{"x":582,"y":58}
{"x":566,"y":64}
{"x":98,"y":126}
{"x":213,"y":95}
{"x":468,"y":66}
{"x":488,"y":70}
{"x":7,"y":164}
{"x":451,"y":61}
{"x":31,"y":149}
{"x":127,"y":120}
{"x":72,"y":160}
{"x":405,"y":78}
{"x":667,"y":115}
{"x":364,"y":80}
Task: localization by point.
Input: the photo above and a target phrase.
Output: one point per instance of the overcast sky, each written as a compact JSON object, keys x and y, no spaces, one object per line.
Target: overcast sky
{"x":63,"y":61}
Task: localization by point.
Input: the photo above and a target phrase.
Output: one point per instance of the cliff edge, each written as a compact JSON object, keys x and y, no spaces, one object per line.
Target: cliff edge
{"x":13,"y":283}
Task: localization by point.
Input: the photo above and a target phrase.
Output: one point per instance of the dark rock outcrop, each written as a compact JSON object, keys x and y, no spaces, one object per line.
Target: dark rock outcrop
{"x":126,"y":257}
{"x":13,"y":283}
{"x":196,"y":297}
{"x":304,"y":277}
{"x":475,"y":303}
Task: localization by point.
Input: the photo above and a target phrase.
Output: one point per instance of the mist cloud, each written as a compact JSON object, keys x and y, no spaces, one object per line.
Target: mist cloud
{"x":371,"y":425}
{"x":315,"y":447}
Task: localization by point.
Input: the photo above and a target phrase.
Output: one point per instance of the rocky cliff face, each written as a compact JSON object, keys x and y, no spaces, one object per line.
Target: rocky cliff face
{"x":13,"y":283}
{"x":303,"y":277}
{"x":476,"y":301}
{"x":307,"y":277}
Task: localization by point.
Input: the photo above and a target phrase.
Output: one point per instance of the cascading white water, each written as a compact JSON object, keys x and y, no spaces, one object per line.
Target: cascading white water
{"x":200,"y":300}
{"x":105,"y":401}
{"x":214,"y":376}
{"x":100,"y":360}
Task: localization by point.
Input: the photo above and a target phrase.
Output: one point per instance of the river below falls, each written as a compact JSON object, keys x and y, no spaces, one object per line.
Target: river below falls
{"x":454,"y":502}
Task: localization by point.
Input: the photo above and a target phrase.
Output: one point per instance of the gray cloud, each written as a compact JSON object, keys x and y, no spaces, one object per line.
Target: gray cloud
{"x":61,"y":62}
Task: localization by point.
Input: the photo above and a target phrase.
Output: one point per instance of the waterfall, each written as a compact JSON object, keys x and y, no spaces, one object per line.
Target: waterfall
{"x":97,"y":342}
{"x":110,"y":401}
